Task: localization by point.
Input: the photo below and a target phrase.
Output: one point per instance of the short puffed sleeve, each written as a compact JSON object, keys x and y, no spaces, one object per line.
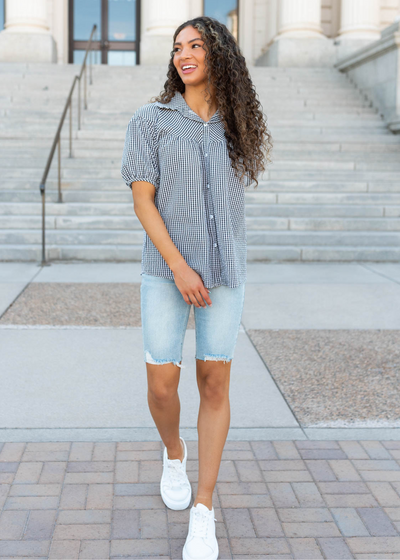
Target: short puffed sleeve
{"x":140,"y":155}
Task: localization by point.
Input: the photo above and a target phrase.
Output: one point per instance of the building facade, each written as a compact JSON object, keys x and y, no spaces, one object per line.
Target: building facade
{"x":129,"y":32}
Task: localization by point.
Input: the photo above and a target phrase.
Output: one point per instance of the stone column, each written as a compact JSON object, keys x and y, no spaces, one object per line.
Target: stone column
{"x":159,"y":21}
{"x":359,"y":19}
{"x":299,"y":18}
{"x":359,"y":25}
{"x":26,"y":37}
{"x":300,"y":40}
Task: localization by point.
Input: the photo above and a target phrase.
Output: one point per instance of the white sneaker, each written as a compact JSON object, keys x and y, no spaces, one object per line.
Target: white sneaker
{"x":175,"y":487}
{"x":201,"y":542}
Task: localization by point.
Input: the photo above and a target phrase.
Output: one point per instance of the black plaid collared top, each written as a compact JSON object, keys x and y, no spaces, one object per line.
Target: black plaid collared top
{"x":198,"y":195}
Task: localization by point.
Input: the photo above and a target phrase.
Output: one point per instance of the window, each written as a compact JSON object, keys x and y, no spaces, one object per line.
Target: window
{"x":86,"y":14}
{"x":2,"y":14}
{"x":225,"y":11}
{"x":117,"y":28}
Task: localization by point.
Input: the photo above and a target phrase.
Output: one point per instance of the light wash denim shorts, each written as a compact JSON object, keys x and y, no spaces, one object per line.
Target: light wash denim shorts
{"x":165,"y":315}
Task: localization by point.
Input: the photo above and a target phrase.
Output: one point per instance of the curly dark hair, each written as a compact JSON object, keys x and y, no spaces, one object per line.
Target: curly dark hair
{"x":248,"y":140}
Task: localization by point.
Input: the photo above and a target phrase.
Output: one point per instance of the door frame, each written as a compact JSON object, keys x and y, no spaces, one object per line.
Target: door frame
{"x":103,"y":45}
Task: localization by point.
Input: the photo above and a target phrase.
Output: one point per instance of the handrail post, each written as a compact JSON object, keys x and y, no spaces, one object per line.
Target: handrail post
{"x":59,"y":169}
{"x":91,"y":67}
{"x":79,"y":103}
{"x":70,"y":127}
{"x":42,"y":193}
{"x":85,"y":87}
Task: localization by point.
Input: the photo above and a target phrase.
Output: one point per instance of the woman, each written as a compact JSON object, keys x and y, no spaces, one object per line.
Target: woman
{"x":188,"y":156}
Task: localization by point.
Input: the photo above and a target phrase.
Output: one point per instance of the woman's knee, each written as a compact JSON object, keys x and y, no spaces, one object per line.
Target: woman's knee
{"x":161,"y":394}
{"x":162,"y":384}
{"x":214,"y":389}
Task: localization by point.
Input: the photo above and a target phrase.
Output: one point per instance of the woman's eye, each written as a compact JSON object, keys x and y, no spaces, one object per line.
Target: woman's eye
{"x":195,"y":45}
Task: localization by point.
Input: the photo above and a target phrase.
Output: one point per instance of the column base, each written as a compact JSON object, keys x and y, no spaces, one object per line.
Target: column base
{"x":295,"y":51}
{"x":155,"y":49}
{"x":27,"y":47}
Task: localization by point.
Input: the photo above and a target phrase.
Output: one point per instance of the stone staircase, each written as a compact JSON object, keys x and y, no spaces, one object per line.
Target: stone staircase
{"x":332,"y":192}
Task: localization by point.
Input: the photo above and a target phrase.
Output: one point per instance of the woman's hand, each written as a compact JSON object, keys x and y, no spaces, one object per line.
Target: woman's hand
{"x":191,"y":286}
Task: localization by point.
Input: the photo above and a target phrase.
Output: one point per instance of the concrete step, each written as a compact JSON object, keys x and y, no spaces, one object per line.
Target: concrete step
{"x":68,"y":209}
{"x":299,"y":131}
{"x":322,"y":210}
{"x":125,"y":196}
{"x":32,"y":159}
{"x":324,"y":254}
{"x":259,"y":223}
{"x":282,"y":159}
{"x":307,"y":119}
{"x":22,"y":209}
{"x":275,"y":186}
{"x":99,"y":150}
{"x":254,"y":237}
{"x":291,"y":111}
{"x":272,"y":186}
{"x":124,"y":253}
{"x":357,"y":134}
{"x":324,"y":175}
{"x":73,"y":196}
{"x":323,"y":198}
{"x":326,"y":186}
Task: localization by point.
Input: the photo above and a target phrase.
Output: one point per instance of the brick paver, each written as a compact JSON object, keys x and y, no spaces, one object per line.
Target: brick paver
{"x":273,"y":499}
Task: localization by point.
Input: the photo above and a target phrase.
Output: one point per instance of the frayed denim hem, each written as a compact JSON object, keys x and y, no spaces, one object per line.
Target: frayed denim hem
{"x":150,"y":360}
{"x":215,"y":358}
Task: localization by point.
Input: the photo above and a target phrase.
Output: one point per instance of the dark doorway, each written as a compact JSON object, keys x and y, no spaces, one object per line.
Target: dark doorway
{"x":117,"y":23}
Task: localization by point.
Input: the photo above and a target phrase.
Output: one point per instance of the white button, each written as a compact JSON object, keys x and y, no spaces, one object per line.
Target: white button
{"x":211,"y":216}
{"x":208,"y":186}
{"x":205,"y":124}
{"x":206,"y":155}
{"x":215,"y":244}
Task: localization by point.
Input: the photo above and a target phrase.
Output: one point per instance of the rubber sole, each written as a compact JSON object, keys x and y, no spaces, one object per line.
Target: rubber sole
{"x":186,"y":557}
{"x":174,"y":505}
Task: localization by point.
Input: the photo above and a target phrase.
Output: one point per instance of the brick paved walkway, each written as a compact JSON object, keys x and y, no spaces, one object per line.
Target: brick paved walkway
{"x":280,"y":499}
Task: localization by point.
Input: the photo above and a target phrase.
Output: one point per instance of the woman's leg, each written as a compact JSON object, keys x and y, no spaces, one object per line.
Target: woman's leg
{"x":213,"y":424}
{"x":164,"y":316}
{"x":217,"y":329}
{"x":164,"y":405}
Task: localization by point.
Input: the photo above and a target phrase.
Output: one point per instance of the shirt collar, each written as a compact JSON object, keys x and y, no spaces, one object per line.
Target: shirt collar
{"x":178,"y":103}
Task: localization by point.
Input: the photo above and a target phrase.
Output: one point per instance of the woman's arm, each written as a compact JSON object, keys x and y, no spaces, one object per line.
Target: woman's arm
{"x":187,"y":280}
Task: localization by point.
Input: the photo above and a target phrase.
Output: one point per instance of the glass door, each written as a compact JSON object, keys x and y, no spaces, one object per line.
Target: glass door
{"x":2,"y":14}
{"x":225,"y":11}
{"x":117,"y":28}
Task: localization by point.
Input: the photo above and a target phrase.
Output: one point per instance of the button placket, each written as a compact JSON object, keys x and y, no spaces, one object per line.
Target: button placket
{"x":209,"y":197}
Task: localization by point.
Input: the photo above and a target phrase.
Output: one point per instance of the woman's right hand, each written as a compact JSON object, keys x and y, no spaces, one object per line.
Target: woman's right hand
{"x":191,"y":286}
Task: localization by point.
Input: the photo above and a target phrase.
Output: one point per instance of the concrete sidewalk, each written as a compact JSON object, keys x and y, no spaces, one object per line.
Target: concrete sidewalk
{"x":73,"y":381}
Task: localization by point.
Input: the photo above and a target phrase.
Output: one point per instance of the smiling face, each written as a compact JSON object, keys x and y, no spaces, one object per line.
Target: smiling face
{"x":188,"y":49}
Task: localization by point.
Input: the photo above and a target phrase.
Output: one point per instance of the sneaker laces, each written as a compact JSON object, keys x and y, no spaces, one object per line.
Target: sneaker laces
{"x":176,"y":473}
{"x":199,"y":524}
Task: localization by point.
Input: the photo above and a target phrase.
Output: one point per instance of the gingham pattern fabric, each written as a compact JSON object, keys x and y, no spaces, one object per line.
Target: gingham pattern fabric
{"x":198,"y":195}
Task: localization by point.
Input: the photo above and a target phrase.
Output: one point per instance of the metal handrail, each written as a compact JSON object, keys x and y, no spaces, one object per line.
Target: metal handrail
{"x":57,"y":137}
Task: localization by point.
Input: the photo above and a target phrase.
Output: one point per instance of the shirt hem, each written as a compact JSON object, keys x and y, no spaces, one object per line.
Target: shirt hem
{"x":208,"y":287}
